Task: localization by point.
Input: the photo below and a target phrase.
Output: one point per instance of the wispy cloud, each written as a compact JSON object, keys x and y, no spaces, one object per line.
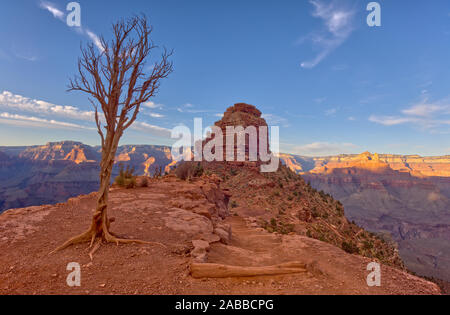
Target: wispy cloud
{"x":156,"y":115}
{"x":190,"y":108}
{"x":331,"y":112}
{"x":25,"y":55}
{"x":275,"y":120}
{"x":152,"y":129}
{"x":60,"y":15}
{"x":20,"y":103}
{"x":338,"y":26}
{"x":50,"y":7}
{"x":320,"y":100}
{"x":153,"y":105}
{"x":43,"y":114}
{"x":323,"y":149}
{"x":31,"y":121}
{"x":95,"y":39}
{"x":426,"y":115}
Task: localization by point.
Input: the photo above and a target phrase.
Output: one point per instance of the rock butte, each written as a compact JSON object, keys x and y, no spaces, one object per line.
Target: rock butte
{"x":256,"y":201}
{"x":241,"y":115}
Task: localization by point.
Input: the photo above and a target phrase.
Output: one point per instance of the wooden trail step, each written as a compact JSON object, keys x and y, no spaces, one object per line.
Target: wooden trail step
{"x":224,"y":271}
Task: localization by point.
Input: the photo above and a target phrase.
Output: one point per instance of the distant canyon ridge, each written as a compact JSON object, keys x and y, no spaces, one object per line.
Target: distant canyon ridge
{"x":406,"y":198}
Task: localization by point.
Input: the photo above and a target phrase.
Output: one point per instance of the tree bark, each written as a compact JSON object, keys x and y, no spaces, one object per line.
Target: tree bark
{"x":115,"y":78}
{"x":100,"y":222}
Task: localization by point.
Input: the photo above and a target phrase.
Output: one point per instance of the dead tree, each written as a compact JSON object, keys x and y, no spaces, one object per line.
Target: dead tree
{"x":114,"y":78}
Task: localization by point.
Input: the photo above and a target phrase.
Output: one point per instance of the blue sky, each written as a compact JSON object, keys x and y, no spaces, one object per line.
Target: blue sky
{"x":314,"y":68}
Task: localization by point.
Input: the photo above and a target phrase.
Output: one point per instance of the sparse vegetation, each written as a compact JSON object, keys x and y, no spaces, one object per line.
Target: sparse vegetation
{"x":189,"y":170}
{"x":275,"y":226}
{"x":233,"y":172}
{"x":350,"y":247}
{"x":126,"y":178}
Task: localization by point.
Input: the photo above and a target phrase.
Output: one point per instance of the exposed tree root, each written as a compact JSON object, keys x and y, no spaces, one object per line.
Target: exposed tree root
{"x":82,"y":238}
{"x":99,"y":231}
{"x":106,"y":236}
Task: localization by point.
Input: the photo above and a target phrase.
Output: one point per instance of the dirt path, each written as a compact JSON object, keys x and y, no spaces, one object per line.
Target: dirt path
{"x":28,"y":235}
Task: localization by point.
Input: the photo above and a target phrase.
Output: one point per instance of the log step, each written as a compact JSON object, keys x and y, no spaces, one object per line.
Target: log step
{"x":225,"y":271}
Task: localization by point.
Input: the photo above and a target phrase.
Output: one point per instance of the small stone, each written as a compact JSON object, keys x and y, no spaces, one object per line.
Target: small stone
{"x":201,"y":244}
{"x":224,"y":236}
{"x":88,"y":265}
{"x":102,"y":285}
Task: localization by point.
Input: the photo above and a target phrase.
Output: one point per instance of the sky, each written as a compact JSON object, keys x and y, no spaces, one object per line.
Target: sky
{"x":314,"y":68}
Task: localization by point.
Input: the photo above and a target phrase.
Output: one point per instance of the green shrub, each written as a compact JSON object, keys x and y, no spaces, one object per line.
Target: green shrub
{"x":315,"y":213}
{"x":126,"y":178}
{"x":188,"y":170}
{"x":350,"y":247}
{"x":273,"y":222}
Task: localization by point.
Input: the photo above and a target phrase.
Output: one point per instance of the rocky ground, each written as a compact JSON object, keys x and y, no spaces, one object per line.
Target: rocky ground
{"x":192,"y":223}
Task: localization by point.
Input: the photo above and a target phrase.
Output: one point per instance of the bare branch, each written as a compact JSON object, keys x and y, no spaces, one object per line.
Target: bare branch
{"x":116,"y":77}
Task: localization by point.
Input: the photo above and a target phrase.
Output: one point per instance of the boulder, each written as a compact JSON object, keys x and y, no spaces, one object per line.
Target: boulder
{"x":190,"y":223}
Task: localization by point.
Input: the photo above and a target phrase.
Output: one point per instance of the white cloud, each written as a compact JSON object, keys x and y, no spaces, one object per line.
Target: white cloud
{"x":95,"y":39}
{"x":323,"y":149}
{"x":156,"y":115}
{"x":58,"y":14}
{"x":338,"y":24}
{"x":392,"y":120}
{"x":320,"y":100}
{"x":426,"y":115}
{"x":275,"y":120}
{"x":188,"y":108}
{"x":427,"y":110}
{"x":152,"y":129}
{"x":45,"y":112}
{"x":20,"y":103}
{"x":30,"y":121}
{"x":27,"y":57}
{"x":331,"y":112}
{"x":152,"y":105}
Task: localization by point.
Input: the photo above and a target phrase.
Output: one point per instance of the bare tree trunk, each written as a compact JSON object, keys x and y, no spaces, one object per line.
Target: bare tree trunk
{"x":100,"y":222}
{"x":115,"y":80}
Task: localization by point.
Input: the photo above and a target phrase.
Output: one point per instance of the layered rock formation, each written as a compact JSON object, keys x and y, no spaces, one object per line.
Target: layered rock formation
{"x":67,"y":151}
{"x":400,"y":195}
{"x":245,"y":116}
{"x":183,"y":222}
{"x":415,"y":165}
{"x":391,"y":195}
{"x":57,"y":171}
